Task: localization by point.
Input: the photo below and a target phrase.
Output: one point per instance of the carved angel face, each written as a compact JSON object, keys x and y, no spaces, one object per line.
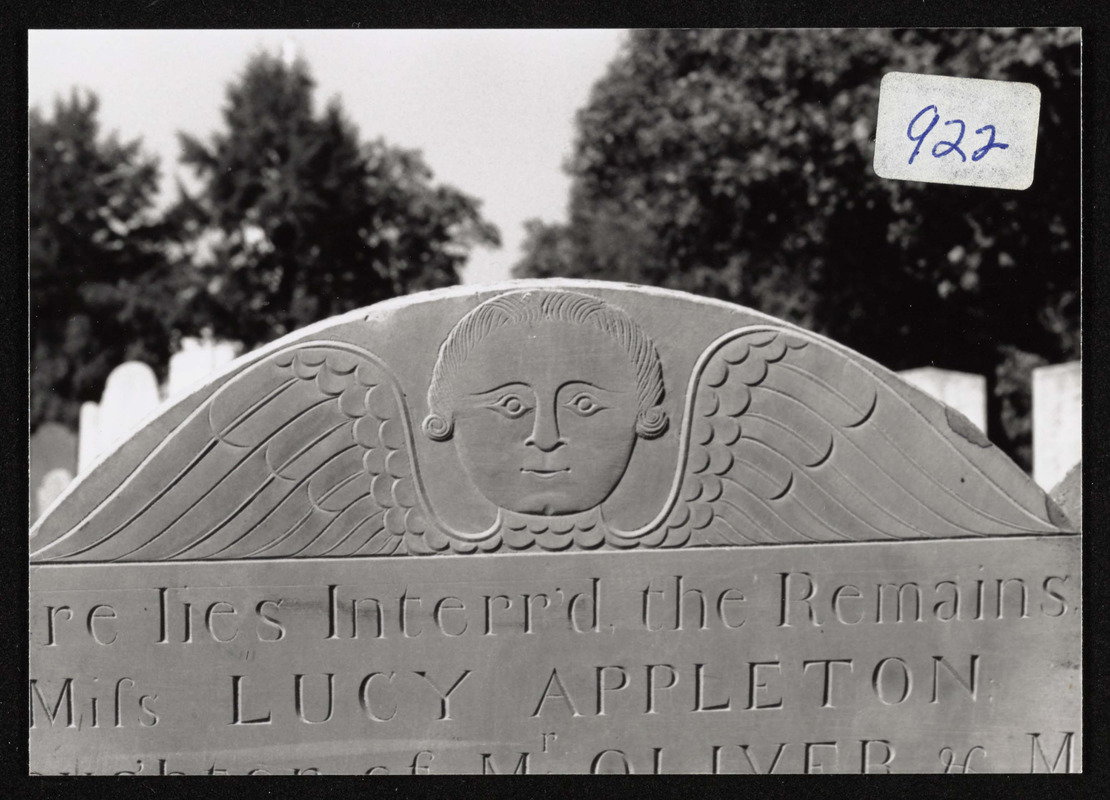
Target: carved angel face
{"x":545,"y":417}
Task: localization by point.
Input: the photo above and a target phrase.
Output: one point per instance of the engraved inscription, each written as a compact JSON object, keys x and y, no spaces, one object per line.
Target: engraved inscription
{"x":701,"y":665}
{"x":954,"y":765}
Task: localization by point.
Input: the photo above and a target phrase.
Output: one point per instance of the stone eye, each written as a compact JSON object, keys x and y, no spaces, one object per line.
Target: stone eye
{"x":510,"y":405}
{"x":584,"y":404}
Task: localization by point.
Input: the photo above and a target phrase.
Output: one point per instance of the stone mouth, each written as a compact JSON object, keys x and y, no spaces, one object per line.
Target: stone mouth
{"x":545,"y":473}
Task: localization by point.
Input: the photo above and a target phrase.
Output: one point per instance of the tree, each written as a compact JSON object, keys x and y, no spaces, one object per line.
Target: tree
{"x":737,"y":164}
{"x":296,"y":220}
{"x":98,"y":269}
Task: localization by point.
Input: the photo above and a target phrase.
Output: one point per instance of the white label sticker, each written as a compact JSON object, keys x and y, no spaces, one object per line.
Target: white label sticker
{"x":957,"y":130}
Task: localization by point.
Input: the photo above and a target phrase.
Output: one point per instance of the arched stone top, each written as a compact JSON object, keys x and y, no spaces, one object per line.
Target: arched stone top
{"x":541,"y":415}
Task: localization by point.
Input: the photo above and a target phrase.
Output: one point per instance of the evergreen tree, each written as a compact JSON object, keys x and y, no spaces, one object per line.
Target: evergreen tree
{"x":98,"y":270}
{"x":297,"y":220}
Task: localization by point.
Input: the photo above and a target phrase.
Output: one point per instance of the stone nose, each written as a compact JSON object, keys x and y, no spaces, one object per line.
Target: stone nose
{"x":545,"y":431}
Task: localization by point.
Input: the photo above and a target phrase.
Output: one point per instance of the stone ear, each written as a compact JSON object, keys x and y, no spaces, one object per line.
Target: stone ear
{"x":651,"y":422}
{"x":437,"y":427}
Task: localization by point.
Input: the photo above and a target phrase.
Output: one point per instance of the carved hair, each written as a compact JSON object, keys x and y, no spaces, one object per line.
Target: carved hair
{"x":530,"y":306}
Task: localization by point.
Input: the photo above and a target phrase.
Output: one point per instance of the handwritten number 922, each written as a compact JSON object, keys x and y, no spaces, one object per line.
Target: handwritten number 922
{"x":944,"y":148}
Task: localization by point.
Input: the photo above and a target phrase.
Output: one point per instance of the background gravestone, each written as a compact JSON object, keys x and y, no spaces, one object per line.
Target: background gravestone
{"x":53,"y":457}
{"x":130,"y":395}
{"x":555,"y":527}
{"x":962,"y":391}
{"x":197,"y":360}
{"x":1057,"y":421}
{"x":88,"y":436}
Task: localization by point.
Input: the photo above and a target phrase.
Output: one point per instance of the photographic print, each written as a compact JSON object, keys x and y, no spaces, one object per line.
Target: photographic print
{"x":654,"y":401}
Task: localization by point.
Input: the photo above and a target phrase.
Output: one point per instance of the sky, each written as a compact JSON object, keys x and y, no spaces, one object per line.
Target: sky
{"x":492,"y":111}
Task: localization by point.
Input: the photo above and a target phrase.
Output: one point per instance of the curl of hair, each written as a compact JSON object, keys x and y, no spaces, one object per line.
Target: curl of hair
{"x":531,"y":306}
{"x":437,"y":427}
{"x":651,"y":423}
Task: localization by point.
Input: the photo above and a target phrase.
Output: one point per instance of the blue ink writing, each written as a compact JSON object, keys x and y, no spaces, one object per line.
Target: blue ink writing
{"x":919,"y":139}
{"x":982,"y":151}
{"x":944,"y":148}
{"x":951,"y":145}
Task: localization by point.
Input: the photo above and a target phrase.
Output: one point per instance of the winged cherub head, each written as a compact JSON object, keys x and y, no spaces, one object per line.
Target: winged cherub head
{"x":545,"y":393}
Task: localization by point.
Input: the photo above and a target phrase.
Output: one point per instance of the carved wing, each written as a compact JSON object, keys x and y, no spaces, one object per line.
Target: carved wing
{"x":307,"y":453}
{"x":787,"y":440}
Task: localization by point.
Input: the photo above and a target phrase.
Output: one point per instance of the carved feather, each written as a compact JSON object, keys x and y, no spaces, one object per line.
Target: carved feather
{"x":784,"y":439}
{"x":789,"y":441}
{"x":307,"y":453}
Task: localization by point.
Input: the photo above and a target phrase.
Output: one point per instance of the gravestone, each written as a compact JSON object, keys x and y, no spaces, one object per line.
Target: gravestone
{"x":197,"y":360}
{"x":130,"y":395}
{"x":962,"y":391}
{"x":88,"y":436}
{"x":555,"y":526}
{"x":1057,"y":421}
{"x":52,"y":455}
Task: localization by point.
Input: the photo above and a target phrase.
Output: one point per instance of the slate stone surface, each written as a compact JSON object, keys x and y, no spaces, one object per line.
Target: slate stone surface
{"x":1068,"y":494}
{"x":558,"y":439}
